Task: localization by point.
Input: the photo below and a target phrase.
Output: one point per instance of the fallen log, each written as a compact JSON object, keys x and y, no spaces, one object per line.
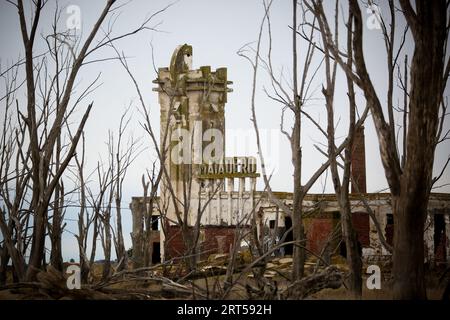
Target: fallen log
{"x":332,"y":277}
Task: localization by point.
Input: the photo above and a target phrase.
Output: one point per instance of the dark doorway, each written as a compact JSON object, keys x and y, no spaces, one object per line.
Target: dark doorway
{"x":272,"y":224}
{"x":389,"y":230}
{"x":439,"y":238}
{"x":361,"y":224}
{"x":156,"y":254}
{"x":155,"y":222}
{"x":343,"y":248}
{"x":289,"y":248}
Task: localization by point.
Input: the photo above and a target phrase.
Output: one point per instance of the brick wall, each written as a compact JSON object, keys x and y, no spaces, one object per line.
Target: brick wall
{"x":359,"y":162}
{"x":174,"y":244}
{"x":361,"y":225}
{"x":213,"y":239}
{"x":318,"y":230}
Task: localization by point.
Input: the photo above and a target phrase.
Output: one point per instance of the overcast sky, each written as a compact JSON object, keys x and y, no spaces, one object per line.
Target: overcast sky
{"x":216,"y":30}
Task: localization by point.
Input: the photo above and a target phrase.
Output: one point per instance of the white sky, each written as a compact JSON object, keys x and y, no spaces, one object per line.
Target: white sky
{"x":216,"y":30}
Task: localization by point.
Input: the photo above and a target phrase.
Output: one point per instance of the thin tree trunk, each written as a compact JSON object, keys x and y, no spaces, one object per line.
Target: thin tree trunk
{"x":107,"y":245}
{"x":4,"y":260}
{"x":56,"y":259}
{"x":121,"y":252}
{"x":297,"y":223}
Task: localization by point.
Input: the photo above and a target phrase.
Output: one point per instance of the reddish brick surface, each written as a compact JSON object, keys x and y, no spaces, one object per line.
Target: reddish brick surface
{"x":361,"y":225}
{"x":220,"y":239}
{"x":359,"y":162}
{"x":216,"y":239}
{"x":318,"y":231}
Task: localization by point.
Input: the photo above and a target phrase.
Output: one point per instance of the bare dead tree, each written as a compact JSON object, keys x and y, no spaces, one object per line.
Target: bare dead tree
{"x":341,"y":188}
{"x":14,"y":181}
{"x":111,"y":177}
{"x":96,"y":204}
{"x":96,"y":209}
{"x":409,"y":180}
{"x":100,"y":202}
{"x":141,"y":236}
{"x":84,"y":219}
{"x":294,"y":138}
{"x":121,"y":158}
{"x":44,"y":154}
{"x":295,"y":103}
{"x":44,"y":182}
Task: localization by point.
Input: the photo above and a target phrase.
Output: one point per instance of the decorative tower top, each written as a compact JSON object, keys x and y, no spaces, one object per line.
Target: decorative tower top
{"x":181,"y":61}
{"x":192,"y":109}
{"x":179,"y":79}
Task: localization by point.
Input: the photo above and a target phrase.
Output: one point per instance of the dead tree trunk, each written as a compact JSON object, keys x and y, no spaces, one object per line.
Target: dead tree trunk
{"x":56,"y":259}
{"x":107,"y":246}
{"x":409,"y":181}
{"x":106,"y":228}
{"x":83,"y":224}
{"x":295,"y":140}
{"x":120,"y":250}
{"x":44,"y":180}
{"x":410,"y":186}
{"x":341,"y":189}
{"x":297,"y":223}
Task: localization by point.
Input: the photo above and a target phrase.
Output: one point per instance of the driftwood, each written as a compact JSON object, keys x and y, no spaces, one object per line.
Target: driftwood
{"x":139,"y":284}
{"x":51,"y":284}
{"x":332,"y":277}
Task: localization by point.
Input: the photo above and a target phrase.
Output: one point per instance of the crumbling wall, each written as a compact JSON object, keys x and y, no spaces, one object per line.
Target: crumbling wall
{"x":213,"y":239}
{"x":319,"y":229}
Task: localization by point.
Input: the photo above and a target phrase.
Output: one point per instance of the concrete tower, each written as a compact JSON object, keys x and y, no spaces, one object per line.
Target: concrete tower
{"x":192,"y":106}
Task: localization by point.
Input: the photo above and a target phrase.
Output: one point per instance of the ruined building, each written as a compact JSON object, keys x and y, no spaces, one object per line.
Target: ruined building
{"x":202,"y":188}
